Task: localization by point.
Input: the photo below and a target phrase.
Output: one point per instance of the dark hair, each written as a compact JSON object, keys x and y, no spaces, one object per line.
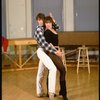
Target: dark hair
{"x":40,"y":16}
{"x":48,"y":19}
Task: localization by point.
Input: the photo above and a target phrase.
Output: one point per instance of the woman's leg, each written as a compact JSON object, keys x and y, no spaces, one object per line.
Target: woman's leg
{"x":59,"y":64}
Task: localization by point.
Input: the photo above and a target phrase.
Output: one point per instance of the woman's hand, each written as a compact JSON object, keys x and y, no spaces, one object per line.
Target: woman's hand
{"x":52,"y":17}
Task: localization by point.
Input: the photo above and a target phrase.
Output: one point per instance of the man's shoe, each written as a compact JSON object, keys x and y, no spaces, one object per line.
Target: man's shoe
{"x":51,"y":96}
{"x":54,"y":95}
{"x":41,"y":95}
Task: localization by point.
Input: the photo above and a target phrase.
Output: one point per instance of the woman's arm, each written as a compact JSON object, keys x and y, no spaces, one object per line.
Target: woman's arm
{"x":55,"y":25}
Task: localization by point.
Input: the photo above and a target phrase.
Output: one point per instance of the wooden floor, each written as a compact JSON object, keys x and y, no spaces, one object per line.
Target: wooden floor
{"x":21,"y":85}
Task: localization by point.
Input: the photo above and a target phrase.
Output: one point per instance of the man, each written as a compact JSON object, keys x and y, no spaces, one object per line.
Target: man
{"x":45,"y":60}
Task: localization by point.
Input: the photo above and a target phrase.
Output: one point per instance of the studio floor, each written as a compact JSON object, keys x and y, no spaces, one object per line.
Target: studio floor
{"x":21,"y":85}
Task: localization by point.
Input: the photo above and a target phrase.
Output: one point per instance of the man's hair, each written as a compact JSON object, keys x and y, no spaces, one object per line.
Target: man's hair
{"x":40,"y":16}
{"x":48,"y":19}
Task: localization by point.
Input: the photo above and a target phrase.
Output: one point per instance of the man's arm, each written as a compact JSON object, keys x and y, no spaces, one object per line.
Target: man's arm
{"x":42,"y":42}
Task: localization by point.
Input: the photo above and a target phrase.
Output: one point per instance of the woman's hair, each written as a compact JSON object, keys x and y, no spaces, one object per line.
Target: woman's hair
{"x":40,"y":16}
{"x":48,"y":19}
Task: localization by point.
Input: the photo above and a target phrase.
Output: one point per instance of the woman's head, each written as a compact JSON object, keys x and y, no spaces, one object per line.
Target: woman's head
{"x":48,"y":22}
{"x":40,"y":19}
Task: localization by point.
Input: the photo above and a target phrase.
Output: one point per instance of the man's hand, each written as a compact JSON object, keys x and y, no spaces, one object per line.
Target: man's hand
{"x":58,"y":53}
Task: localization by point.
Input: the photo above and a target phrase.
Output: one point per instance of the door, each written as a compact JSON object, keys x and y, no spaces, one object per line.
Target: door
{"x":86,"y":15}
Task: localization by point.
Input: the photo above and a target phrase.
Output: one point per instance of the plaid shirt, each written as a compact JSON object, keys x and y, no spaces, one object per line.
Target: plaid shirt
{"x":39,"y":36}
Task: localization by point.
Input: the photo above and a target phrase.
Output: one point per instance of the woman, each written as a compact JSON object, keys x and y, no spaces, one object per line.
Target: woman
{"x":51,"y":36}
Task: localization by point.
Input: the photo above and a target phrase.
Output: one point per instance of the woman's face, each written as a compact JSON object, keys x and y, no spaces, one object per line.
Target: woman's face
{"x":48,"y":25}
{"x":40,"y":22}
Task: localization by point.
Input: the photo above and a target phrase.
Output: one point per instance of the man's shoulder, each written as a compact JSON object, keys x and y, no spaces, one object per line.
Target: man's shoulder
{"x":39,"y":28}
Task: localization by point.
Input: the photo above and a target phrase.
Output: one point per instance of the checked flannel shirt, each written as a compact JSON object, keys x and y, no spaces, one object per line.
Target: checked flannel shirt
{"x":39,"y":36}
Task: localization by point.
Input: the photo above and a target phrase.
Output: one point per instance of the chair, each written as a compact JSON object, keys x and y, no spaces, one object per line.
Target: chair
{"x":83,"y":58}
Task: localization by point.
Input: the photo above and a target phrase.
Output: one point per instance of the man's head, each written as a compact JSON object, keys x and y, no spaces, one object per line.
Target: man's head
{"x":40,"y":19}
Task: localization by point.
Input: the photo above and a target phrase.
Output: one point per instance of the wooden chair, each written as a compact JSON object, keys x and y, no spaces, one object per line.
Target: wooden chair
{"x":83,"y":58}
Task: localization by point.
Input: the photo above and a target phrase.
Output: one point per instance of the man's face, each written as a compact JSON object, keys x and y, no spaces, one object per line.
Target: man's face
{"x":40,"y":22}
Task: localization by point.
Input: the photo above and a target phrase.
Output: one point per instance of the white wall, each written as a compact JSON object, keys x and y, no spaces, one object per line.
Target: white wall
{"x":68,"y":15}
{"x":18,"y":18}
